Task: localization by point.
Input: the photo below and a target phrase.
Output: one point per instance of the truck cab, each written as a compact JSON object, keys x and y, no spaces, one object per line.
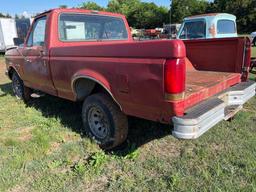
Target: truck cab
{"x":207,"y":26}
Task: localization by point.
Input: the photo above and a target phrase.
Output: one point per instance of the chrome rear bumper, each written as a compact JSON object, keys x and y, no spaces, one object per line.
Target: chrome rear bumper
{"x":207,"y":114}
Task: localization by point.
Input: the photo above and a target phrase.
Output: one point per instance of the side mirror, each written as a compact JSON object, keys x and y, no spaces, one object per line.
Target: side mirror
{"x":18,"y":41}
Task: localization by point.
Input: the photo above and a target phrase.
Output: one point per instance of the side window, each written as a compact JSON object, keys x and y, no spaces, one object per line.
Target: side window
{"x":37,"y":35}
{"x":226,"y":26}
{"x":193,"y":30}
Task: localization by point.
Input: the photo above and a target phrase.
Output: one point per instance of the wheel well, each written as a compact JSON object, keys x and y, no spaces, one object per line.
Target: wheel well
{"x":84,"y":87}
{"x":11,"y":70}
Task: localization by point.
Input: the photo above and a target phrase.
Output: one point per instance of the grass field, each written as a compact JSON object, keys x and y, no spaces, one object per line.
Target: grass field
{"x":41,"y":149}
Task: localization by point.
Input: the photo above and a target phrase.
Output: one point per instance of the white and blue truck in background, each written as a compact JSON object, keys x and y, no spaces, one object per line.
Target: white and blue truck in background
{"x":207,"y":26}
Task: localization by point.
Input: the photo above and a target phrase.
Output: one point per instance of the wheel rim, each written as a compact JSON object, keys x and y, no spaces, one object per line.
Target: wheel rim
{"x":98,"y":122}
{"x":17,"y":87}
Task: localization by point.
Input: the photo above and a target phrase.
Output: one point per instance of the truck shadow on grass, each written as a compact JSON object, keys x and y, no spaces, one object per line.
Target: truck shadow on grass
{"x":69,"y":113}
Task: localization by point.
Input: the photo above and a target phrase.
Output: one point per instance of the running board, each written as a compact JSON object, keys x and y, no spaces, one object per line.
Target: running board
{"x":207,"y":114}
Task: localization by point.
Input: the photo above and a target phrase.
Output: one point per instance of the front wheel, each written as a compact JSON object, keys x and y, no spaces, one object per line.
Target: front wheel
{"x":19,"y":89}
{"x":103,"y":121}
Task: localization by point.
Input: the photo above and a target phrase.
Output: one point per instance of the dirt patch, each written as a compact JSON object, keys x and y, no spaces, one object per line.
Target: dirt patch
{"x":217,"y":148}
{"x":161,"y":149}
{"x":54,"y":147}
{"x":71,"y":137}
{"x":18,"y":188}
{"x":20,"y":134}
{"x":3,"y":78}
{"x":97,"y":185}
{"x":25,"y":133}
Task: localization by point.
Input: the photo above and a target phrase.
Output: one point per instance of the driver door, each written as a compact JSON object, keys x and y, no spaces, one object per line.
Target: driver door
{"x":36,"y":59}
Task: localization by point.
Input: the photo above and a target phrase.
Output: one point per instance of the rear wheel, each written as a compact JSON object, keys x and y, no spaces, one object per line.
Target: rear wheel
{"x":103,"y":121}
{"x":19,"y":89}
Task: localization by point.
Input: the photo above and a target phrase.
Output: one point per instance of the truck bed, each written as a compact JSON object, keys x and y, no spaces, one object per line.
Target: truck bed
{"x":201,"y":85}
{"x":213,"y":65}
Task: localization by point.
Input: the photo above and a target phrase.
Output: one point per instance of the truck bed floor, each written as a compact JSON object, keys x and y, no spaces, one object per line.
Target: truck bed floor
{"x":201,"y":85}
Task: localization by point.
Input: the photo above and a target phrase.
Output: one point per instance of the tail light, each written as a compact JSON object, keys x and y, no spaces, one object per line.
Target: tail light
{"x":174,"y":76}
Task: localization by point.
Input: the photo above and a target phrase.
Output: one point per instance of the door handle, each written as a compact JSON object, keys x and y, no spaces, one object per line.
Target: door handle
{"x":42,"y":53}
{"x":28,"y":60}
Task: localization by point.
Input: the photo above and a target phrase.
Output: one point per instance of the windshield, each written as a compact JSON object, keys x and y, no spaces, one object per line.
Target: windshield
{"x":193,"y":30}
{"x":82,"y":27}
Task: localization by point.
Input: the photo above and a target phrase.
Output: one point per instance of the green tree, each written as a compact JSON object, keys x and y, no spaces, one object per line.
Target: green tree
{"x":149,"y":15}
{"x":245,"y":11}
{"x":63,"y":6}
{"x":185,"y":8}
{"x":91,"y":6}
{"x":140,"y":14}
{"x":5,"y":15}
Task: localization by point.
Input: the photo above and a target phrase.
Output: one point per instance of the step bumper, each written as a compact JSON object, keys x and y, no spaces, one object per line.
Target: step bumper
{"x":207,"y":114}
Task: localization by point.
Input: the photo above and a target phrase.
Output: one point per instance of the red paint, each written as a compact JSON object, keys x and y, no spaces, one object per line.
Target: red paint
{"x":247,"y":61}
{"x":221,"y":55}
{"x":137,"y":74}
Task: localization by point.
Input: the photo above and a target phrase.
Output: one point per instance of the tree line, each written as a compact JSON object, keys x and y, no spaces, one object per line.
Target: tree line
{"x":148,"y":15}
{"x":5,"y":15}
{"x":139,"y":14}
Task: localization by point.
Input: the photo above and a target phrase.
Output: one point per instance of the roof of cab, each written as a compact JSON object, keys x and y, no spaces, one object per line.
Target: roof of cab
{"x":78,"y":10}
{"x":226,"y":15}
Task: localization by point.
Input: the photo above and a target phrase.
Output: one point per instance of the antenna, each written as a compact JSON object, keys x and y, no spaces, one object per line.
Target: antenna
{"x":170,"y":11}
{"x":170,"y":32}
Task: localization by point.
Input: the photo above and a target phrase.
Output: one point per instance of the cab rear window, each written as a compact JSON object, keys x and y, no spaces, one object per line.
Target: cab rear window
{"x":84,"y":27}
{"x":226,"y":27}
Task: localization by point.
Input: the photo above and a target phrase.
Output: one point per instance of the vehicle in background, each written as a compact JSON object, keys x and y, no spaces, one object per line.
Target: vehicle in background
{"x":171,"y":30}
{"x":253,"y":38}
{"x":167,"y":32}
{"x":148,"y":34}
{"x":11,"y":31}
{"x":208,"y":26}
{"x":22,"y":27}
{"x":137,"y":33}
{"x":152,"y":33}
{"x":82,"y":56}
{"x":8,"y":33}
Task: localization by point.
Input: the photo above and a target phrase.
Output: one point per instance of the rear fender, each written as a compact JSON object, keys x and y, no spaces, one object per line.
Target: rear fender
{"x":95,"y":77}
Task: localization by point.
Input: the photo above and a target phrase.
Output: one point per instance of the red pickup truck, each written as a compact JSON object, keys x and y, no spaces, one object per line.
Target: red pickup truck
{"x":90,"y":56}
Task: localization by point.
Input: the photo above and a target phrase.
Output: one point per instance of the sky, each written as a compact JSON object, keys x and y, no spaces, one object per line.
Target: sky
{"x":28,"y":7}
